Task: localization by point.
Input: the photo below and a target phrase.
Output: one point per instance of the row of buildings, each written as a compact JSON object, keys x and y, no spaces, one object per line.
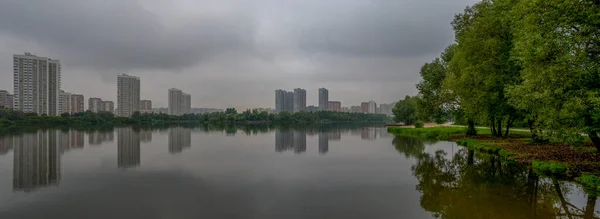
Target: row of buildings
{"x":288,"y":101}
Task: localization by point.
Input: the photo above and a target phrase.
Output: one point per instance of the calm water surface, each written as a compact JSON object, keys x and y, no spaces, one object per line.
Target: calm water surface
{"x":268,"y":173}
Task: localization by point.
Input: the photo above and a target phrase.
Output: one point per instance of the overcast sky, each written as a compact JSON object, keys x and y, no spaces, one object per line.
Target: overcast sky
{"x":232,"y":53}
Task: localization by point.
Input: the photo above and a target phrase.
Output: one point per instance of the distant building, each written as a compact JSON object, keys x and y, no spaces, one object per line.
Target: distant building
{"x":205,"y":110}
{"x":145,"y":106}
{"x":335,"y":106}
{"x":284,"y":101}
{"x":179,"y":103}
{"x":299,"y":100}
{"x":161,"y":110}
{"x":6,"y":100}
{"x":312,"y":108}
{"x":128,"y":95}
{"x":77,"y":101}
{"x":36,"y":84}
{"x":95,"y":104}
{"x":385,"y":109}
{"x":372,"y":107}
{"x":323,"y":99}
{"x":109,"y":106}
{"x":65,"y":102}
{"x":364,"y":107}
{"x":346,"y":109}
{"x":186,"y":103}
{"x":356,"y":109}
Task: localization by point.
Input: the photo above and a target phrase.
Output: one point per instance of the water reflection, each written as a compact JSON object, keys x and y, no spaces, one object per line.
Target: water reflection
{"x":179,"y":139}
{"x":36,"y":161}
{"x":468,"y":184}
{"x":368,"y":133}
{"x":99,"y":137}
{"x":324,"y":143}
{"x":128,"y":148}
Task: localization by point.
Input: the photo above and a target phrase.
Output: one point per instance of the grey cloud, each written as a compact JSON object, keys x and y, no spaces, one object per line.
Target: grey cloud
{"x":121,"y":34}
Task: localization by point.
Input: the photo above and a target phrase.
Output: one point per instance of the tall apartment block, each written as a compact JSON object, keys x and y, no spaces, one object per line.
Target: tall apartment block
{"x":95,"y":104}
{"x":109,"y":106}
{"x":179,"y":102}
{"x":6,"y":100}
{"x":128,"y":95}
{"x":65,"y":102}
{"x":77,"y":101}
{"x":284,"y":101}
{"x":36,"y":84}
{"x":372,"y":107}
{"x":145,"y":106}
{"x":323,"y":99}
{"x":299,"y":100}
{"x":364,"y":107}
{"x":186,"y":103}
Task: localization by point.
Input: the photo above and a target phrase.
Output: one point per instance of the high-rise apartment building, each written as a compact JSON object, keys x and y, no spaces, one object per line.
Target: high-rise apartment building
{"x":65,"y":102}
{"x":372,"y":107}
{"x":6,"y":100}
{"x":145,"y":106}
{"x":128,"y":95}
{"x":186,"y":103}
{"x":36,"y":84}
{"x":335,"y":106}
{"x":299,"y":100}
{"x":95,"y":104}
{"x":175,"y":100}
{"x":109,"y":106}
{"x":77,"y":101}
{"x":364,"y":107}
{"x":323,"y":99}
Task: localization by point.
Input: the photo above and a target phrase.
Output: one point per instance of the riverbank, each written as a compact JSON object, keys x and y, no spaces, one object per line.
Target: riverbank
{"x":581,"y":164}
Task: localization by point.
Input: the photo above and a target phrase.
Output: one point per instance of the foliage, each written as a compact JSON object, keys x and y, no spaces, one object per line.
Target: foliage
{"x":549,"y":168}
{"x":558,"y":44}
{"x":589,"y":180}
{"x":432,"y":103}
{"x":406,"y":110}
{"x":419,"y":124}
{"x":476,"y":145}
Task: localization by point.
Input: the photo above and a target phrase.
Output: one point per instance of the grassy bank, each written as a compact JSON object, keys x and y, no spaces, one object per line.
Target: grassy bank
{"x":581,"y":164}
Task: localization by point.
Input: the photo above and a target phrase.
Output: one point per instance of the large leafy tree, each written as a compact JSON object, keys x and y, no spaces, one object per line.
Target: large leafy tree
{"x":558,"y":44}
{"x":481,"y":67}
{"x":432,"y":103}
{"x":406,"y":110}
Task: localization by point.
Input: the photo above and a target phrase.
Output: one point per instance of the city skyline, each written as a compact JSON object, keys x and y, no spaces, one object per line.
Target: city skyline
{"x":370,"y":51}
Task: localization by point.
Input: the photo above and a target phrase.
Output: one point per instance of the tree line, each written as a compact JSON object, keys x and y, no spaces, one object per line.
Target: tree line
{"x":530,"y":63}
{"x":11,"y":118}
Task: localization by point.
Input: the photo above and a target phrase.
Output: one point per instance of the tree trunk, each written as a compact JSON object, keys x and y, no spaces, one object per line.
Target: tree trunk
{"x":508,"y":124}
{"x":471,"y":127}
{"x":493,"y":126}
{"x":595,"y":139}
{"x":470,"y":157}
{"x":499,"y":127}
{"x":589,"y":208}
{"x":534,"y":135}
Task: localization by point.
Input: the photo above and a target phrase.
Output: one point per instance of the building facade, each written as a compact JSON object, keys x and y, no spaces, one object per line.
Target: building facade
{"x":323,"y":99}
{"x":364,"y":107}
{"x":95,"y":105}
{"x":128,"y":95}
{"x":299,"y":100}
{"x":284,"y":101}
{"x":6,"y":100}
{"x":109,"y":106}
{"x":77,"y":101}
{"x":335,"y":106}
{"x":65,"y":102}
{"x":372,"y":107}
{"x":36,"y":84}
{"x":145,"y":106}
{"x":186,"y":103}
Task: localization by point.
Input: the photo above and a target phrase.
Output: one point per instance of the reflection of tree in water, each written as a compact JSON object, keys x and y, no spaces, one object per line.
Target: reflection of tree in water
{"x":476,"y":185}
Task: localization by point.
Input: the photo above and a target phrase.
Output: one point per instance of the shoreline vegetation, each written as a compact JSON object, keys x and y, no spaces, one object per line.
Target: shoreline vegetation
{"x":557,"y":160}
{"x":10,"y":119}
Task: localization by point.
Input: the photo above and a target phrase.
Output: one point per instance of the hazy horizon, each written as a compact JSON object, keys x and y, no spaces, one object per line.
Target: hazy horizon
{"x":232,"y":53}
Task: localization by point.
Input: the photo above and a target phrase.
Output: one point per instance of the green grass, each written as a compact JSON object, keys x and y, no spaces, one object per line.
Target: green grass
{"x":590,"y":181}
{"x":550,"y":168}
{"x":441,"y":133}
{"x":478,"y":146}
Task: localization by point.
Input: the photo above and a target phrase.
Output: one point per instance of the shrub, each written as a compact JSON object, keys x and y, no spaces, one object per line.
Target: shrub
{"x":419,"y":124}
{"x":549,"y":168}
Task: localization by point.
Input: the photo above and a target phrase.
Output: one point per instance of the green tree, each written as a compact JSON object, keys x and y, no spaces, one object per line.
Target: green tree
{"x":558,"y":44}
{"x":432,"y":103}
{"x":406,"y":110}
{"x":481,"y":67}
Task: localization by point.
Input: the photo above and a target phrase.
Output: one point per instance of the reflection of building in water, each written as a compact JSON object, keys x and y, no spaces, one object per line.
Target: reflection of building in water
{"x":179,"y":139}
{"x":70,"y":140}
{"x":145,"y":136}
{"x":288,"y":140}
{"x":299,"y":142}
{"x":382,"y":133}
{"x":335,"y":135}
{"x":128,"y":144}
{"x":97,"y":138}
{"x":355,"y":132}
{"x":6,"y":144}
{"x":36,"y":160}
{"x":323,"y":143}
{"x":368,"y":133}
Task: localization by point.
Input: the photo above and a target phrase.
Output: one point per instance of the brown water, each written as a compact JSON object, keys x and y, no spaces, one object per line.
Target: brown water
{"x":268,"y":173}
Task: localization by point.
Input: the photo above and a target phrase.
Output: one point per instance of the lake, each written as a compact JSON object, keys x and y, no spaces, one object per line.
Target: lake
{"x":267,"y":172}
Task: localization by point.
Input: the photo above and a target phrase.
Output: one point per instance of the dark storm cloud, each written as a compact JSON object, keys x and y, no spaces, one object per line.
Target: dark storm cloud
{"x":121,"y":34}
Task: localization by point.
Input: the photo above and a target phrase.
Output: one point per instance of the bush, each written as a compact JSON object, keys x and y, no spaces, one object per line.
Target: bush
{"x":419,"y":124}
{"x":548,"y":168}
